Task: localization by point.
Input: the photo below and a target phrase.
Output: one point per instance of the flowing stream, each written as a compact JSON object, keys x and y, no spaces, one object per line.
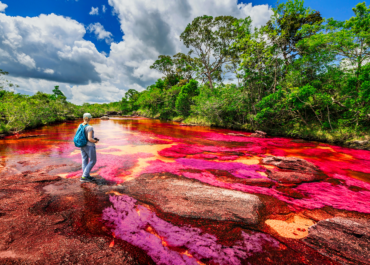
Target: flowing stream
{"x":194,"y":195}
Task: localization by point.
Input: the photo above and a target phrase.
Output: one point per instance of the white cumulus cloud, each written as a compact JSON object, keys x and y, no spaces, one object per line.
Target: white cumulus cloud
{"x":49,"y":71}
{"x":100,"y":32}
{"x":150,"y":27}
{"x":94,"y":11}
{"x":26,"y":60}
{"x":3,"y":6}
{"x":104,"y":8}
{"x":48,"y":42}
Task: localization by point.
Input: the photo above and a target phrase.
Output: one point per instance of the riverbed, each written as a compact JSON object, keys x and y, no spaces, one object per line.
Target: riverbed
{"x":172,"y":194}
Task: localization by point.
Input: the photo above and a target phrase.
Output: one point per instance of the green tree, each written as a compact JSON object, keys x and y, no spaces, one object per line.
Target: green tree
{"x":211,"y":38}
{"x":166,"y":65}
{"x":285,"y":27}
{"x":186,"y":66}
{"x":349,"y":40}
{"x":131,"y":94}
{"x":185,"y":98}
{"x":57,"y":92}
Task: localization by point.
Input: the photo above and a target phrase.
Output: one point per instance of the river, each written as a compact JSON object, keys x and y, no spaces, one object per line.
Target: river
{"x":172,"y":194}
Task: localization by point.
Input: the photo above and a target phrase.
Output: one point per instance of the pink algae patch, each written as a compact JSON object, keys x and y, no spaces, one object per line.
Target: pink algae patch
{"x":277,"y":152}
{"x":208,"y":152}
{"x":317,"y":152}
{"x":325,"y":194}
{"x":180,"y":150}
{"x":353,"y":182}
{"x":134,"y":139}
{"x":339,"y":167}
{"x":237,"y":169}
{"x":205,"y":156}
{"x":228,"y":157}
{"x":358,"y":154}
{"x":215,"y":156}
{"x":173,"y":245}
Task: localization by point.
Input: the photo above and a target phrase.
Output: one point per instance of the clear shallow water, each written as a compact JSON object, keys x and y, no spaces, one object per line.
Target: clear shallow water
{"x":221,"y":158}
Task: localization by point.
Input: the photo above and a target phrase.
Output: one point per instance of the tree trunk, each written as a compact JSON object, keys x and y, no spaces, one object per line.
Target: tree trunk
{"x":210,"y":81}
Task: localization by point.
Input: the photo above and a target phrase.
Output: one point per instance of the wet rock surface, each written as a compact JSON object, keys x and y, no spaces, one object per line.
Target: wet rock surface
{"x":237,"y":134}
{"x":259,"y":134}
{"x":346,"y":240}
{"x":189,"y":198}
{"x":292,"y":177}
{"x":292,"y":170}
{"x":47,"y":220}
{"x":365,"y":144}
{"x":291,"y":163}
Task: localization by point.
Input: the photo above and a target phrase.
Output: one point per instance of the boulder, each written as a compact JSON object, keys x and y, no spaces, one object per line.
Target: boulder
{"x":185,"y":124}
{"x":291,"y":163}
{"x":357,"y":144}
{"x":345,"y":240}
{"x":259,"y":134}
{"x":292,"y":177}
{"x":192,"y":199}
{"x":104,"y":118}
{"x":237,"y":134}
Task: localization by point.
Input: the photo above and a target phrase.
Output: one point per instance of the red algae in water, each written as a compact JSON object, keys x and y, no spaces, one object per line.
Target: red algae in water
{"x":317,"y":152}
{"x":237,"y":169}
{"x":110,"y":166}
{"x":341,"y":197}
{"x":130,"y":222}
{"x":213,"y":152}
{"x":193,"y":150}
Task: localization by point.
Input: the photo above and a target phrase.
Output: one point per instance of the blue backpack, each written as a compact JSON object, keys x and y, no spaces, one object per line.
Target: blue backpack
{"x":80,"y":137}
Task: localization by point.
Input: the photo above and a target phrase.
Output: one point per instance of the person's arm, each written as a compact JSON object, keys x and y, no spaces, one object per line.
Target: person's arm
{"x":89,"y":137}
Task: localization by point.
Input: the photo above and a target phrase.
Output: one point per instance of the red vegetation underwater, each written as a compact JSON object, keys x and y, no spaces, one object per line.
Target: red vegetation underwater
{"x":295,"y":185}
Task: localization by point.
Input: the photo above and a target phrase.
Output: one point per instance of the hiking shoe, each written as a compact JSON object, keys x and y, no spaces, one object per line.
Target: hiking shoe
{"x":87,"y":179}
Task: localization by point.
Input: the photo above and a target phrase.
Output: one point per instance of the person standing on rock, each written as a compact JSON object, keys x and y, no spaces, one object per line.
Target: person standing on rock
{"x":88,"y":151}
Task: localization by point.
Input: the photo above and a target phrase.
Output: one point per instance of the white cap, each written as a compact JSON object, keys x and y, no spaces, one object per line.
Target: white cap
{"x":87,"y":115}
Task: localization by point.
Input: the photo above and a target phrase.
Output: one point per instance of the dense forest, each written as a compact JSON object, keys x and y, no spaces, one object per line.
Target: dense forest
{"x":299,"y":75}
{"x":18,"y":112}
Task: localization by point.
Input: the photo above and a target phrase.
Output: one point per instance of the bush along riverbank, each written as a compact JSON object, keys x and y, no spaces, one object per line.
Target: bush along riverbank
{"x":300,"y":75}
{"x":19,"y":112}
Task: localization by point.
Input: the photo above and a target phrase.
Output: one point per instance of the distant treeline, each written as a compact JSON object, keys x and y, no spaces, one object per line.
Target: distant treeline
{"x":299,"y":75}
{"x":18,"y":112}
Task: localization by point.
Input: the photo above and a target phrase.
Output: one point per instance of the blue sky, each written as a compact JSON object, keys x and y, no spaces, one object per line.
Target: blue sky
{"x":44,"y":43}
{"x":79,"y":10}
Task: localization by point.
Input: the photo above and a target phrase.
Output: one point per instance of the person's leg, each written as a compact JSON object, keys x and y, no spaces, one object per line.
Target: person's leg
{"x":85,"y":158}
{"x":92,"y":156}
